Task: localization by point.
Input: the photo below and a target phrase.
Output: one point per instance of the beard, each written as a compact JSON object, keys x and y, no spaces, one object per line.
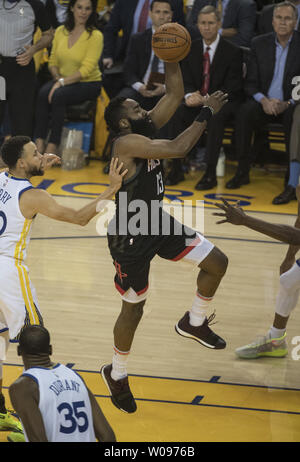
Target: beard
{"x":36,"y":171}
{"x":143,"y":126}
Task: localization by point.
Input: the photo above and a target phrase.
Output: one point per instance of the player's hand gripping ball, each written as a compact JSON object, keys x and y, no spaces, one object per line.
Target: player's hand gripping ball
{"x":171,"y":42}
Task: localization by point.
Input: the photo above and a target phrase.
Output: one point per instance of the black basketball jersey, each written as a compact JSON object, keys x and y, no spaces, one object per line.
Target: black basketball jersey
{"x":138,"y":205}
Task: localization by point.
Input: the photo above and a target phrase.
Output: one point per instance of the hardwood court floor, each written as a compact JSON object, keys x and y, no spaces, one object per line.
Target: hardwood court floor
{"x":184,"y":392}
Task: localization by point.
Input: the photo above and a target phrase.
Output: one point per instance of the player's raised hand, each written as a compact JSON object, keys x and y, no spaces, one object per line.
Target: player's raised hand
{"x":217,"y":100}
{"x":232,"y":213}
{"x":49,"y":160}
{"x":115,"y":173}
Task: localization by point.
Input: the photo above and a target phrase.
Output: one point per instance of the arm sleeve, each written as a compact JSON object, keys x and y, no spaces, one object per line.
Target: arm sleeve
{"x":93,"y":53}
{"x":53,"y":59}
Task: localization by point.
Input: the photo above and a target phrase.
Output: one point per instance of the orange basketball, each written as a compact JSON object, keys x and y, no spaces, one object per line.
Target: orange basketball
{"x":171,"y":42}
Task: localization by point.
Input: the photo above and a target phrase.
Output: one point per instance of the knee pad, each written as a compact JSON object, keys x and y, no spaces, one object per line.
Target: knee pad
{"x":290,"y":280}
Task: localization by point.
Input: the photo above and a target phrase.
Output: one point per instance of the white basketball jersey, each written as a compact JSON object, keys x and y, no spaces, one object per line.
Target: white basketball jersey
{"x":14,"y":227}
{"x":64,"y":404}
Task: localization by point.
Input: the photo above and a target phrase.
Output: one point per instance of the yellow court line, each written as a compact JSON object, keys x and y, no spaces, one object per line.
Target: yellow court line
{"x":194,"y":411}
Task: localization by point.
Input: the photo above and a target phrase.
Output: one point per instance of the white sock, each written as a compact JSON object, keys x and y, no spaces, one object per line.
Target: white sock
{"x":199,"y":309}
{"x":276,"y":333}
{"x":119,"y":364}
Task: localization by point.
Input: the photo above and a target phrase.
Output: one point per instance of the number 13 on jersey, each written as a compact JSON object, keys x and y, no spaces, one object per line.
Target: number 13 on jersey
{"x":160,"y":183}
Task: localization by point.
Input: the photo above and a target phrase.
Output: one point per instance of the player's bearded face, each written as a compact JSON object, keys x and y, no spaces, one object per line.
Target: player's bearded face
{"x":35,"y":170}
{"x":143,"y":126}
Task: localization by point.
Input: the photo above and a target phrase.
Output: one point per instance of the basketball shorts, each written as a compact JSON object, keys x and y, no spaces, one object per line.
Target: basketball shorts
{"x":18,"y":301}
{"x":132,"y":272}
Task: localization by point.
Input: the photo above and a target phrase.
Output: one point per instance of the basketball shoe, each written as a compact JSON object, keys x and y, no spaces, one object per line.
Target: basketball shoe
{"x":202,"y":334}
{"x":121,"y":395}
{"x":16,"y":437}
{"x":8,"y":422}
{"x":264,"y":346}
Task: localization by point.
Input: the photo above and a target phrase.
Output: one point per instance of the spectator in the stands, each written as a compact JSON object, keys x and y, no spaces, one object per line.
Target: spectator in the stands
{"x":266,"y":17}
{"x":130,"y":16}
{"x":274,"y":61}
{"x":127,"y":17}
{"x":238,"y":19}
{"x":74,"y":66}
{"x":16,"y":60}
{"x":143,"y":70}
{"x":212,"y":64}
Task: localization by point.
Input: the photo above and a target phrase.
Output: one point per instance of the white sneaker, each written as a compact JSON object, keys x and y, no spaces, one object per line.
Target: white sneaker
{"x":264,"y":346}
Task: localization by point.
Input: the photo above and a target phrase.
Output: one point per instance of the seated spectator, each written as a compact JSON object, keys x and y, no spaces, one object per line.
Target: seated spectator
{"x":127,"y":17}
{"x":238,"y":19}
{"x":141,"y":63}
{"x":17,"y":67}
{"x":130,"y":16}
{"x":212,"y":64}
{"x":73,"y":64}
{"x":289,"y":192}
{"x":274,"y":61}
{"x":266,"y":17}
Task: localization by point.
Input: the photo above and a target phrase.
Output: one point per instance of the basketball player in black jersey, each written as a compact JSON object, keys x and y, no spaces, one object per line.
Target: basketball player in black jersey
{"x":132,"y":250}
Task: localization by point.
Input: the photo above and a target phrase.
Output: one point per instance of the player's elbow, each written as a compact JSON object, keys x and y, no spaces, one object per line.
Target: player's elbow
{"x":82,"y":221}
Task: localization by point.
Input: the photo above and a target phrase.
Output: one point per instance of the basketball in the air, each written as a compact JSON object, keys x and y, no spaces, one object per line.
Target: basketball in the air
{"x":171,"y":42}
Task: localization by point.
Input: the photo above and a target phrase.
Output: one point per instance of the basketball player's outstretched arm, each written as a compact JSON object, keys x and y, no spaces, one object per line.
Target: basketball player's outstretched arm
{"x":237,"y":216}
{"x":36,"y":201}
{"x":167,"y":105}
{"x":134,"y":145}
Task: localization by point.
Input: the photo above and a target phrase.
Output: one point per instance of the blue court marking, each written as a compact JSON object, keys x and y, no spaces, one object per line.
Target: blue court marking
{"x":215,"y":379}
{"x":185,"y":380}
{"x":197,"y":399}
{"x":70,"y":365}
{"x":219,"y":406}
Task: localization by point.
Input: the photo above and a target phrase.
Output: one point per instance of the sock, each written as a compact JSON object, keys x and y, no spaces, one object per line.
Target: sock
{"x":199,"y":309}
{"x":276,"y":333}
{"x":119,"y":364}
{"x":294,"y":174}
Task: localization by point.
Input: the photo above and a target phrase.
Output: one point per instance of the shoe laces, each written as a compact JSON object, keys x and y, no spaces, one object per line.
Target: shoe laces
{"x":211,"y":318}
{"x":259,"y":340}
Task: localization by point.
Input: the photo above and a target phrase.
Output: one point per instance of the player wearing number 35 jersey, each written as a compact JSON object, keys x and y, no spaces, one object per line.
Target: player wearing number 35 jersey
{"x":52,"y":400}
{"x":19,"y":204}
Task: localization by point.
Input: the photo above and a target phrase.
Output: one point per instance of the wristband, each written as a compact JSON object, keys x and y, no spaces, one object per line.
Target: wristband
{"x":205,"y":114}
{"x":61,"y":81}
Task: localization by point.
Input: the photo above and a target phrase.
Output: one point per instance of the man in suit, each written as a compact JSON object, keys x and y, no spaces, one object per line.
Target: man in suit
{"x":266,"y":17}
{"x":274,"y":61}
{"x":224,"y":72}
{"x":238,"y":19}
{"x":127,"y":15}
{"x":141,"y":62}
